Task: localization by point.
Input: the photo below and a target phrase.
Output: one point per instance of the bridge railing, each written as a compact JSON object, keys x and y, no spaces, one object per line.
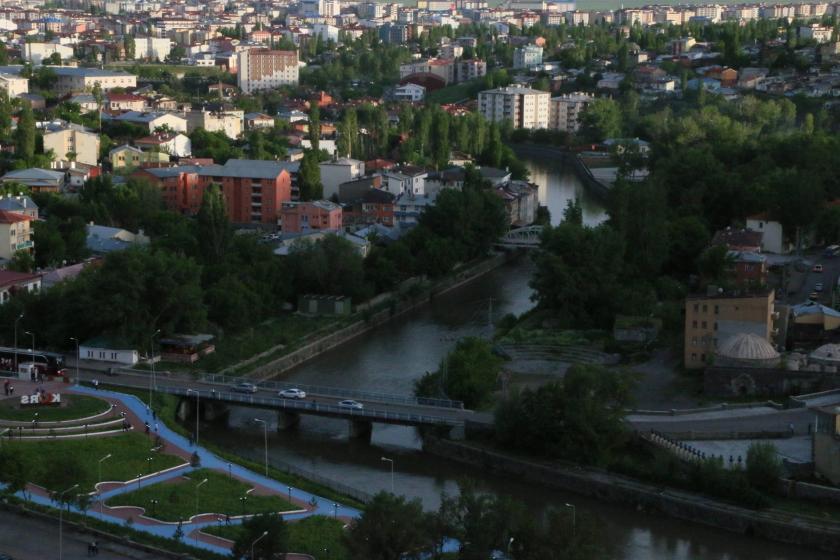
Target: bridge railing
{"x":371,"y":414}
{"x":336,"y":392}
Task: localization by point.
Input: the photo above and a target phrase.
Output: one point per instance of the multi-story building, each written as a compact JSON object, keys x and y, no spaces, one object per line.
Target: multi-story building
{"x":301,"y":217}
{"x":73,"y":143}
{"x":152,"y":48}
{"x":15,"y":234}
{"x":565,"y":110}
{"x":14,"y":85}
{"x":266,"y":69}
{"x":712,"y":319}
{"x":523,"y":106}
{"x":335,"y":172}
{"x":37,"y":52}
{"x":527,"y":57}
{"x":817,"y":32}
{"x":229,"y":121}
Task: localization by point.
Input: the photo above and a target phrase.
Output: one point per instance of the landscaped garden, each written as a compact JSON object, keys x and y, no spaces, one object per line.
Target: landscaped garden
{"x":58,"y":464}
{"x":176,"y":500}
{"x":70,"y":408}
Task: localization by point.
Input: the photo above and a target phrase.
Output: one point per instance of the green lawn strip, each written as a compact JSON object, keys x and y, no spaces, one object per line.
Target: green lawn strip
{"x":165,"y":406}
{"x":176,"y":499}
{"x":798,"y":507}
{"x":128,"y":453}
{"x":311,"y":535}
{"x":125,"y":532}
{"x":71,"y":408}
{"x":451,"y":94}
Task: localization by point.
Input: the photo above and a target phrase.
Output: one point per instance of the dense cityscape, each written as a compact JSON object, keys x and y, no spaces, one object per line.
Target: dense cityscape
{"x":337,"y":280}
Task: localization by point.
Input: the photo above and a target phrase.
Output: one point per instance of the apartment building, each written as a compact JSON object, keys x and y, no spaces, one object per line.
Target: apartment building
{"x":712,"y":319}
{"x":229,"y":121}
{"x":565,"y":110}
{"x":266,"y":69}
{"x":527,"y":57}
{"x":301,"y":217}
{"x":152,"y":48}
{"x":73,"y":143}
{"x":523,"y":106}
{"x":14,"y":85}
{"x":15,"y":234}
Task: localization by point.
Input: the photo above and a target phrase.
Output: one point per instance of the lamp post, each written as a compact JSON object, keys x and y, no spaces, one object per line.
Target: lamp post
{"x":230,"y":471}
{"x":335,"y":510}
{"x":510,"y":542}
{"x":61,"y":522}
{"x":3,"y":433}
{"x":256,"y":541}
{"x":197,"y":410}
{"x":154,"y":506}
{"x":99,"y":481}
{"x":33,"y":347}
{"x":78,"y":357}
{"x":152,"y":380}
{"x":290,"y":494}
{"x":242,"y":501}
{"x":197,"y":486}
{"x":16,"y":346}
{"x":149,"y":463}
{"x":574,"y":518}
{"x":265,"y":441}
{"x":391,"y":461}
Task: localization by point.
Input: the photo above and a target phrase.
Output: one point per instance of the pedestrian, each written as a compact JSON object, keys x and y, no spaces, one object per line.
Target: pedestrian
{"x":96,"y":384}
{"x":6,"y":387}
{"x":191,"y":440}
{"x":146,"y":424}
{"x":95,"y":548}
{"x":792,"y":430}
{"x":90,"y":549}
{"x":156,"y":427}
{"x":126,"y":425}
{"x":154,"y":414}
{"x":12,"y":390}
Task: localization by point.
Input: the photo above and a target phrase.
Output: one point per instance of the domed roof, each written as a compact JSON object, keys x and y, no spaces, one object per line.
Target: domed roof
{"x":827,"y":352}
{"x":747,"y":346}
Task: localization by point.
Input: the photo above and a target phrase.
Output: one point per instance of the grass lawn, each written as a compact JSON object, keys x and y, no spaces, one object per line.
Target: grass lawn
{"x":308,"y":536}
{"x":43,"y":458}
{"x":71,"y":407}
{"x":220,"y":494}
{"x":450,"y":94}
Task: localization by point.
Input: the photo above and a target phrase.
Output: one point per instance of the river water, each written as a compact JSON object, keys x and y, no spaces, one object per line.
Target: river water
{"x":391,"y":357}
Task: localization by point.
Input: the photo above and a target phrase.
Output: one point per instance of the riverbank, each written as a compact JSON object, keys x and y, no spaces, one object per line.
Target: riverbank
{"x":388,"y":308}
{"x":567,"y":158}
{"x":617,"y":489}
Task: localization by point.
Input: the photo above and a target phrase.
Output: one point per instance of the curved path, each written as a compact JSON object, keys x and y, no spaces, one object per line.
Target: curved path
{"x":176,"y":444}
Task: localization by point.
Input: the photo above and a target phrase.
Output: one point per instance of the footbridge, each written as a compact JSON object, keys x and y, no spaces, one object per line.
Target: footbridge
{"x":522,"y":238}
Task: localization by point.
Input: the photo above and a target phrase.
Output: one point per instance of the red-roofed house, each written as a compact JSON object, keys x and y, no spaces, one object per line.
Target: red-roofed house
{"x":15,"y":282}
{"x":15,"y":234}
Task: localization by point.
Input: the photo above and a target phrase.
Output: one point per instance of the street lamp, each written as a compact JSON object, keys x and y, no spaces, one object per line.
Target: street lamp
{"x":78,"y":357}
{"x":574,"y":520}
{"x":256,"y":541}
{"x":386,"y":459}
{"x":152,"y":378}
{"x":61,"y":522}
{"x":197,"y":410}
{"x":230,"y":471}
{"x":99,"y":481}
{"x":197,"y":486}
{"x":149,"y":463}
{"x":154,"y":506}
{"x":16,"y":346}
{"x":510,"y":542}
{"x":265,"y":441}
{"x":335,"y":510}
{"x":290,"y":494}
{"x":33,"y":347}
{"x":242,"y":501}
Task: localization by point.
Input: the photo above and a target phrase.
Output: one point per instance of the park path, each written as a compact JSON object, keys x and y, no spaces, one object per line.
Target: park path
{"x":137,"y":413}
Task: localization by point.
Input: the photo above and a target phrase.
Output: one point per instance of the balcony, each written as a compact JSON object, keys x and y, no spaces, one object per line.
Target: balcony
{"x":24,"y":245}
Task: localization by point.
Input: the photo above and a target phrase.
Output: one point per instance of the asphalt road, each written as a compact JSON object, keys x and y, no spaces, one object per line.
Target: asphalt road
{"x":828,"y":277}
{"x":33,"y":538}
{"x":740,"y":420}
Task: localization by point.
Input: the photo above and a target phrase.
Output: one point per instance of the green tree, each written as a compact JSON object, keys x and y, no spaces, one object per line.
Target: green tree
{"x":22,"y":261}
{"x":315,"y":126}
{"x":309,"y":177}
{"x":389,"y":527}
{"x":275,"y":541}
{"x":214,"y":230}
{"x":601,"y":120}
{"x":12,"y":471}
{"x":764,"y":468}
{"x":25,"y":134}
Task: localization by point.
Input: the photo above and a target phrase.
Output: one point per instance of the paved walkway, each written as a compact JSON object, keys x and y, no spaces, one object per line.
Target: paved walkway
{"x":137,"y":414}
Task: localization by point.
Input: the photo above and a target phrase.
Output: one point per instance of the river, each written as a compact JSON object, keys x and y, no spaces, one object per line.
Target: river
{"x":391,"y":357}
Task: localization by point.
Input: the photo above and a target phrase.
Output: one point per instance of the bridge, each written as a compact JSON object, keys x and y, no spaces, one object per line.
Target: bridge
{"x":524,"y":238}
{"x":214,"y":394}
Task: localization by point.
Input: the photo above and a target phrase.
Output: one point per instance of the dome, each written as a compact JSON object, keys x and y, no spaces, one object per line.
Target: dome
{"x":827,"y":353}
{"x":747,"y":347}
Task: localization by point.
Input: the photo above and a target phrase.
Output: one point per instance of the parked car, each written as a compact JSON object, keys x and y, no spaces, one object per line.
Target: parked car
{"x":245,"y":388}
{"x":817,"y":268}
{"x":355,"y":405}
{"x":814,"y":296}
{"x":818,"y":287}
{"x":292,"y":394}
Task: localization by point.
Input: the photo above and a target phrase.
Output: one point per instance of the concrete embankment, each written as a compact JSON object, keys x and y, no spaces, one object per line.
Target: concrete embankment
{"x":396,"y":308}
{"x":618,"y":489}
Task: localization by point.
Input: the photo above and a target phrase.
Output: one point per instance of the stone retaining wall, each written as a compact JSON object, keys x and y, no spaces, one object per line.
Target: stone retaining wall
{"x":681,"y":505}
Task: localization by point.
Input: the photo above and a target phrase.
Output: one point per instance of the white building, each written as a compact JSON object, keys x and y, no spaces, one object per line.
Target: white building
{"x":14,"y":85}
{"x":527,"y":57}
{"x":230,"y":122}
{"x":37,"y":52}
{"x":815,"y":31}
{"x":405,"y":180}
{"x":333,"y":173}
{"x":410,"y":92}
{"x":773,"y":239}
{"x":565,"y":110}
{"x":327,"y":32}
{"x":104,"y":350}
{"x":523,"y":106}
{"x":153,"y":48}
{"x":266,"y":69}
{"x":75,"y":140}
{"x":153,"y":120}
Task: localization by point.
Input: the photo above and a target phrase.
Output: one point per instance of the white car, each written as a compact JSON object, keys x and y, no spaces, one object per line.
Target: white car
{"x":292,"y":394}
{"x":245,"y":388}
{"x":354,"y":405}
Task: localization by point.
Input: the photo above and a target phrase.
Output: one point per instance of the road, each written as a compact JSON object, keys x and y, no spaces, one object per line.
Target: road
{"x":142,"y":381}
{"x":738,"y":420}
{"x":33,"y":538}
{"x":809,"y":279}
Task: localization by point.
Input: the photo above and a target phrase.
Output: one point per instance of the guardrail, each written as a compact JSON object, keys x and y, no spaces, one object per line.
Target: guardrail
{"x":370,"y":414}
{"x":336,"y":392}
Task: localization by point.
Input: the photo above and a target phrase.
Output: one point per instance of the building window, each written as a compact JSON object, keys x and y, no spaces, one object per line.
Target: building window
{"x":705,"y":308}
{"x":694,"y":341}
{"x":705,"y":325}
{"x":113,"y":355}
{"x":694,"y":355}
{"x":703,"y":357}
{"x":694,"y":324}
{"x":717,"y":309}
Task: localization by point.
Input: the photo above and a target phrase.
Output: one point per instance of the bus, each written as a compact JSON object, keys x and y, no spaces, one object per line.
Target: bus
{"x":47,"y":363}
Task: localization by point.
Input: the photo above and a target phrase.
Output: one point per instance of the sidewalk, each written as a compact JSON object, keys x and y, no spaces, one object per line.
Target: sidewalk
{"x":137,"y":414}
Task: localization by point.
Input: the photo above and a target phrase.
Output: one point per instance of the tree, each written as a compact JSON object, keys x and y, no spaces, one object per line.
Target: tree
{"x":275,"y":541}
{"x":12,"y":471}
{"x":22,"y":261}
{"x":481,"y":522}
{"x":25,"y":134}
{"x":214,"y":231}
{"x":315,"y":127}
{"x":764,"y":468}
{"x":389,"y":527}
{"x":601,"y":120}
{"x":309,"y":177}
{"x":471,"y":371}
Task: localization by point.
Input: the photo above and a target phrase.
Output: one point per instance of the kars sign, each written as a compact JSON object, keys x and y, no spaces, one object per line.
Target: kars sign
{"x":45,"y":398}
